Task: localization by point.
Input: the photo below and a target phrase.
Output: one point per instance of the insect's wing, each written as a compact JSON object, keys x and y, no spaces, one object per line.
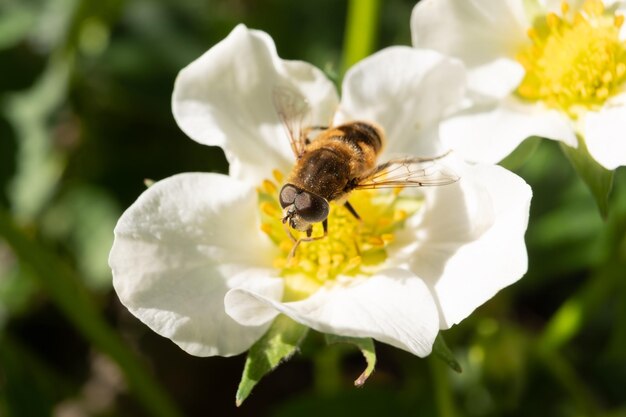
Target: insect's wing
{"x":408,"y":172}
{"x":293,"y":110}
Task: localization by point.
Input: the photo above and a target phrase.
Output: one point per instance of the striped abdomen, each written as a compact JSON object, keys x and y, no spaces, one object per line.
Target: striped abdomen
{"x":336,"y":157}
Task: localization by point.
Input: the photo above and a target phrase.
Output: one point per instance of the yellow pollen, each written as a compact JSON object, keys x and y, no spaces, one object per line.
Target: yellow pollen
{"x":593,"y":7}
{"x":351,"y":248}
{"x":553,"y":21}
{"x":574,"y":63}
{"x":399,"y":215}
{"x":269,"y":187}
{"x":269,"y":209}
{"x":278,"y":176}
{"x":266,"y":228}
{"x":387,"y":237}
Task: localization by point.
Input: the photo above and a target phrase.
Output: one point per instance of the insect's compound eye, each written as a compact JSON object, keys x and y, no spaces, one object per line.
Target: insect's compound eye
{"x":287,"y":195}
{"x":311,"y":207}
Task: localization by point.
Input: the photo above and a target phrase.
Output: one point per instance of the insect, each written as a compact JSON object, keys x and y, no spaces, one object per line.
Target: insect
{"x":337,"y":161}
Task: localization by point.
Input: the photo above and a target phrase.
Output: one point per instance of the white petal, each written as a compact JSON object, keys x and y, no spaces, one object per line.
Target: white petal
{"x":471,"y":239}
{"x":179,"y":248}
{"x":497,"y":79}
{"x":604,"y":135}
{"x":489,"y":132}
{"x":393,"y":307}
{"x":406,"y":91}
{"x":452,"y":216}
{"x":484,"y":34}
{"x":224,"y":98}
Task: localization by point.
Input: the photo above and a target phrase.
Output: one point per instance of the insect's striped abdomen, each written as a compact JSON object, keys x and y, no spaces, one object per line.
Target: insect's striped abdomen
{"x":365,"y":135}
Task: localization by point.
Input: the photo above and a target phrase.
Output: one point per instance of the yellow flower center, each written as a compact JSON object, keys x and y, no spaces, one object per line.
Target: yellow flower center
{"x":576,"y":60}
{"x":352,"y":247}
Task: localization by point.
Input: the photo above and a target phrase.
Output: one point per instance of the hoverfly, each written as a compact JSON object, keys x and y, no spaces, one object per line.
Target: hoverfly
{"x":337,"y":161}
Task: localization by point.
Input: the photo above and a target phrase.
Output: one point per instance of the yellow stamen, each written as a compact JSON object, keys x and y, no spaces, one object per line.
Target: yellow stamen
{"x":269,"y":187}
{"x":352,"y":247}
{"x":278,"y":176}
{"x":553,"y":21}
{"x":266,"y":228}
{"x":574,"y":63}
{"x":269,"y":209}
{"x":593,"y":7}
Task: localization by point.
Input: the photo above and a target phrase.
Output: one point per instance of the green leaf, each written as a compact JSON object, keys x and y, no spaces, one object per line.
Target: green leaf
{"x":277,"y":345}
{"x":521,"y":154}
{"x":443,"y":352}
{"x":366,"y":346}
{"x":598,"y":179}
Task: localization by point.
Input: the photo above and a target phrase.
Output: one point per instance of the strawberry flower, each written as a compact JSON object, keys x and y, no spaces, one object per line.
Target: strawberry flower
{"x":202,"y":258}
{"x":547,"y":68}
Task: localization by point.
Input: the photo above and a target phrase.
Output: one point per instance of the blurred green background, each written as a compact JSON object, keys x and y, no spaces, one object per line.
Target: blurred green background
{"x":85,"y":118}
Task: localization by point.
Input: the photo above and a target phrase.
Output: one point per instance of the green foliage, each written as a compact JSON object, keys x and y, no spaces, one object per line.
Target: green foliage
{"x":521,"y":154}
{"x":361,"y":31}
{"x":442,"y":351}
{"x":72,"y":299}
{"x":366,"y":346}
{"x":596,"y":177}
{"x":277,"y":345}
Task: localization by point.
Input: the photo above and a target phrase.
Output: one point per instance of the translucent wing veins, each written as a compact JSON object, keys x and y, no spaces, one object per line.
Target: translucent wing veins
{"x":408,"y":172}
{"x":292,"y":109}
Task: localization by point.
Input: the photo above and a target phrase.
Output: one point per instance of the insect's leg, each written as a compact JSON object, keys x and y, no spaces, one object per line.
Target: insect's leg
{"x":308,"y":238}
{"x":352,"y":210}
{"x":292,"y":252}
{"x":288,"y":231}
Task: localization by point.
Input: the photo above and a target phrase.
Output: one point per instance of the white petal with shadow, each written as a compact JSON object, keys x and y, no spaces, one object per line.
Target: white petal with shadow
{"x":407,"y":91}
{"x":484,"y":34}
{"x":393,"y":306}
{"x":470,"y":240}
{"x":180,"y":247}
{"x":604,"y":133}
{"x":489,"y":132}
{"x":225,"y":98}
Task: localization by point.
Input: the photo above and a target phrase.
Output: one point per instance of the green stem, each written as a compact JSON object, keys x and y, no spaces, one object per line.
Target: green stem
{"x":68,"y":293}
{"x":327,"y":371}
{"x":443,"y":390}
{"x":566,"y":375}
{"x":568,"y":320}
{"x":361,"y":31}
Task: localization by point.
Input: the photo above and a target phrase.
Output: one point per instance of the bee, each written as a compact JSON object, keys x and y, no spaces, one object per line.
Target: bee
{"x":337,"y":161}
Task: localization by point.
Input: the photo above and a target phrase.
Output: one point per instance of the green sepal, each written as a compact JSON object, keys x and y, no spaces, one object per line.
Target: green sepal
{"x":443,"y":352}
{"x":598,"y":179}
{"x":366,"y":346}
{"x":521,"y":154}
{"x":278,"y":344}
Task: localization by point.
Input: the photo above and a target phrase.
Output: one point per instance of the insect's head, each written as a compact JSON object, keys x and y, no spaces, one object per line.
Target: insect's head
{"x":302,"y":208}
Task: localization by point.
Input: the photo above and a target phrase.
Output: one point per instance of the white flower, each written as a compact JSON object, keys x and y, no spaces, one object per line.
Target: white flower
{"x":535,"y":68}
{"x":200,"y":258}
